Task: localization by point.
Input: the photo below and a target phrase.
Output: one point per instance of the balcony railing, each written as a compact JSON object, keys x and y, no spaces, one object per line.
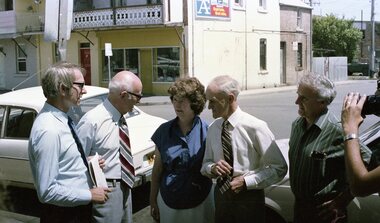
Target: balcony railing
{"x":16,"y":22}
{"x":126,"y":16}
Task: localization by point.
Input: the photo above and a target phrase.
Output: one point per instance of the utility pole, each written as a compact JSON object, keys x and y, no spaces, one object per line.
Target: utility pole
{"x":372,"y":53}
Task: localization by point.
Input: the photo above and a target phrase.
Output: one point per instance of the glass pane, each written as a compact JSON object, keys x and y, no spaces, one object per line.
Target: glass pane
{"x":20,"y":122}
{"x":82,"y":5}
{"x":21,"y":65}
{"x":166,"y":64}
{"x":132,"y":60}
{"x":299,"y":55}
{"x":101,"y":4}
{"x":117,"y":63}
{"x":121,"y":59}
{"x":21,"y":51}
{"x":76,"y":112}
{"x":134,"y":2}
{"x":263,"y":54}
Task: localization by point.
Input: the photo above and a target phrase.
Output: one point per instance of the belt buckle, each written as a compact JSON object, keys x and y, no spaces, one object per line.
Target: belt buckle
{"x":114,"y":182}
{"x":111,"y":182}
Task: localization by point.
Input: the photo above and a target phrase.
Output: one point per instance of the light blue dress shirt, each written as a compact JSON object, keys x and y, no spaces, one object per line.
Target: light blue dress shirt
{"x":60,"y":176}
{"x":99,"y":132}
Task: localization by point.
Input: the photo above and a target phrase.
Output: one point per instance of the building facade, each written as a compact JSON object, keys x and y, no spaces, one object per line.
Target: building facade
{"x":21,"y":25}
{"x":153,"y":39}
{"x":296,"y":56}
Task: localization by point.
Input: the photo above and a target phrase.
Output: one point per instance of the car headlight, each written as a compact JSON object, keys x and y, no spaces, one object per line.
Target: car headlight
{"x":148,"y":159}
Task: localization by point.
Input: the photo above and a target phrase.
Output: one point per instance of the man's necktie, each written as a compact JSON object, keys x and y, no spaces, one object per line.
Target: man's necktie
{"x":224,"y":183}
{"x":77,"y":141}
{"x":126,"y":159}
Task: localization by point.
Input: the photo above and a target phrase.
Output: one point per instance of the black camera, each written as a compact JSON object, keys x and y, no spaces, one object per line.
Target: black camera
{"x":371,"y":105}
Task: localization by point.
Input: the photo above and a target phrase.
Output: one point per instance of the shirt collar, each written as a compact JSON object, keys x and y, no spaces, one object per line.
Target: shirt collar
{"x":234,"y":117}
{"x":115,"y":114}
{"x":59,"y":114}
{"x":175,"y":126}
{"x":321,"y":121}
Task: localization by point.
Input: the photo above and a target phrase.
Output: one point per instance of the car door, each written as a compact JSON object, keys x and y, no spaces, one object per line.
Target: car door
{"x":16,"y":124}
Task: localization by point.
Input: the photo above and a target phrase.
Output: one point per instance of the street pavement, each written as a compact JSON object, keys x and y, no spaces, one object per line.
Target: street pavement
{"x":143,"y":216}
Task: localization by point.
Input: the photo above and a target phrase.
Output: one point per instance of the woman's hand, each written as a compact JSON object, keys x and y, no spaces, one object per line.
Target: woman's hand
{"x":351,"y":112}
{"x":154,"y":211}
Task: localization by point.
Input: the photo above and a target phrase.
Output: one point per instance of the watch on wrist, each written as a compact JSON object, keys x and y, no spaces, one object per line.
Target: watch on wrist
{"x":350,"y":136}
{"x":212,"y":167}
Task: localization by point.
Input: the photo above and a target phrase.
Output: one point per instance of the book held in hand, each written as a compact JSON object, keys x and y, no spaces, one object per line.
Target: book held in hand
{"x":96,"y":173}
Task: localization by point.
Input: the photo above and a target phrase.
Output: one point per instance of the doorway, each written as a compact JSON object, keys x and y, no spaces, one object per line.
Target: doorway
{"x":85,"y":60}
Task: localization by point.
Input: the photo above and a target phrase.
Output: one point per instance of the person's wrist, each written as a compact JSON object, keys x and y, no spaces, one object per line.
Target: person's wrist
{"x":350,"y":130}
{"x":213,"y":166}
{"x":350,"y":136}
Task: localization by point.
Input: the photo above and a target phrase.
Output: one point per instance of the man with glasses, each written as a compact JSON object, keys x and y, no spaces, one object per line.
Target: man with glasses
{"x":316,"y":155}
{"x":59,"y":167}
{"x":99,"y":131}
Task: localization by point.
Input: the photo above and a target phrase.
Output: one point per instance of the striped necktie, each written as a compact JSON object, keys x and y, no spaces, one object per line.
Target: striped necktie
{"x":224,"y":183}
{"x":126,"y":159}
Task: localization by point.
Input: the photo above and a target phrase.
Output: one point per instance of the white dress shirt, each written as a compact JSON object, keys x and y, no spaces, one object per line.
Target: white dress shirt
{"x":99,"y":132}
{"x":60,"y":176}
{"x":255,"y":152}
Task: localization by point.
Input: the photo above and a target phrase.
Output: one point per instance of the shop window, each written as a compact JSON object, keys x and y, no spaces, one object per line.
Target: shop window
{"x":263,"y":54}
{"x":166,"y":64}
{"x":121,"y":59}
{"x":21,"y":58}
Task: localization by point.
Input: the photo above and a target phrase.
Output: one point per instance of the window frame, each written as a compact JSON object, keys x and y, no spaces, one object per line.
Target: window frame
{"x":299,"y":55}
{"x":239,"y":4}
{"x":262,"y":6}
{"x":263,"y":54}
{"x":7,"y":114}
{"x":21,"y":59}
{"x":299,"y":19}
{"x":124,"y":66}
{"x":155,"y":75}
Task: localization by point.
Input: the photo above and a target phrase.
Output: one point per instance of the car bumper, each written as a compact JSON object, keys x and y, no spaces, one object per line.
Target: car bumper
{"x":143,"y":176}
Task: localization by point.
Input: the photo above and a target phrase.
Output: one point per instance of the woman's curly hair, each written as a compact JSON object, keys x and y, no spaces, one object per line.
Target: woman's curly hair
{"x":192,"y":89}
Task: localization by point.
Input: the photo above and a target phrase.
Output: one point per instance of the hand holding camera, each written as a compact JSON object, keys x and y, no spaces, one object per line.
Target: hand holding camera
{"x":371,"y":105}
{"x":352,"y":112}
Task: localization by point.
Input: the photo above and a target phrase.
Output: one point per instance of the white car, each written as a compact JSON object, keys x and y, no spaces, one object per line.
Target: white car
{"x":279,"y":200}
{"x":19,"y":108}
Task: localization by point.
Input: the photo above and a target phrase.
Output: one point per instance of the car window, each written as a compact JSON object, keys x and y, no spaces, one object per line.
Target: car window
{"x":76,"y":112}
{"x":2,"y":110}
{"x":19,"y":122}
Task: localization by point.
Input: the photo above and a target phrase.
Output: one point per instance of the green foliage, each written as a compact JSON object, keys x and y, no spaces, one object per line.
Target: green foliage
{"x":335,"y":37}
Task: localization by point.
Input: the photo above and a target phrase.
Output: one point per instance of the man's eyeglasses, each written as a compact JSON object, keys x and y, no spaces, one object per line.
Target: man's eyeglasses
{"x":138,"y":96}
{"x":79,"y":84}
